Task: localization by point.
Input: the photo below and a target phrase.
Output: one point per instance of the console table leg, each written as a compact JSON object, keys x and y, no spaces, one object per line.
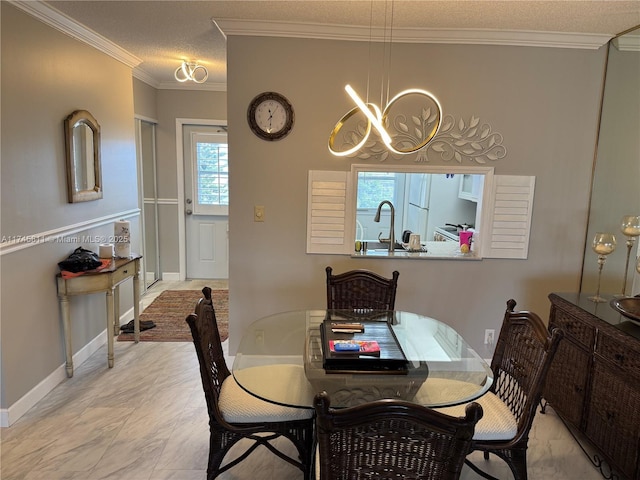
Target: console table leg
{"x":110,"y":321}
{"x":136,"y":303}
{"x":116,"y":310}
{"x":66,"y":326}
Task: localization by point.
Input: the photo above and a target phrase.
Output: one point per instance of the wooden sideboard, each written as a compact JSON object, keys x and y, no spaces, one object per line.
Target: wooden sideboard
{"x":594,"y":381}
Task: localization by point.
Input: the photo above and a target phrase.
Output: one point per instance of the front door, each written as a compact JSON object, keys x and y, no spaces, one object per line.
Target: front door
{"x":206,"y":207}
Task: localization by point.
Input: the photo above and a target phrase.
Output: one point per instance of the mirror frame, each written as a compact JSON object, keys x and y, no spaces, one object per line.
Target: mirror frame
{"x":73,"y":120}
{"x":589,"y":271}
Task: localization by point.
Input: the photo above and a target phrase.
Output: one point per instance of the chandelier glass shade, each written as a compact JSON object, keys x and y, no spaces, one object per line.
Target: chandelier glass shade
{"x":192,"y":71}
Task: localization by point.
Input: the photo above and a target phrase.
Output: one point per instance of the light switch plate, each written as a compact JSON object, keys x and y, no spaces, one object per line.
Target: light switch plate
{"x":258,"y":213}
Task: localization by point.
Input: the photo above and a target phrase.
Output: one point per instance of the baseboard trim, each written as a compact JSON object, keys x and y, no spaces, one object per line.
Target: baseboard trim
{"x":8,"y":416}
{"x":171,"y":276}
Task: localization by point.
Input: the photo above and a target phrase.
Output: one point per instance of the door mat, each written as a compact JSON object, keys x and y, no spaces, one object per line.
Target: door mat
{"x":169,"y":310}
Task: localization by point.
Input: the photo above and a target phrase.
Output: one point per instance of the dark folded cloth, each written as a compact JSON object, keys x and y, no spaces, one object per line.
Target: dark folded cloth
{"x":144,"y":325}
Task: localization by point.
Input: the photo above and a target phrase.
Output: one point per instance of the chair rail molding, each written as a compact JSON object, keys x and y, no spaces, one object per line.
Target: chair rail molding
{"x":14,"y":243}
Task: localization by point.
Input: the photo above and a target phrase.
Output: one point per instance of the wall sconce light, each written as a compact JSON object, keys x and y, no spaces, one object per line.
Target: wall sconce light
{"x":191,"y":71}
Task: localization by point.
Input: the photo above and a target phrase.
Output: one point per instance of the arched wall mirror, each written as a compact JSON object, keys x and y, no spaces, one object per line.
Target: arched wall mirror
{"x":82,"y":143}
{"x":616,"y":177}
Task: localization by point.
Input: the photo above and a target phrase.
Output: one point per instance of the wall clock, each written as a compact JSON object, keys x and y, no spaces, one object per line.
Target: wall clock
{"x":270,"y":116}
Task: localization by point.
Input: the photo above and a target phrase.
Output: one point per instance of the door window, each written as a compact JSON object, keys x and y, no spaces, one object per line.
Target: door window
{"x":210,"y":173}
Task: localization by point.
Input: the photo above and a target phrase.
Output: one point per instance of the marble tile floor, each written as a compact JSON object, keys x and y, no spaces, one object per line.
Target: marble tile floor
{"x":146,"y":419}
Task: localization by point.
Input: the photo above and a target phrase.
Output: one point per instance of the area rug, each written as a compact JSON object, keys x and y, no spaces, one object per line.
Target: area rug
{"x":169,"y":310}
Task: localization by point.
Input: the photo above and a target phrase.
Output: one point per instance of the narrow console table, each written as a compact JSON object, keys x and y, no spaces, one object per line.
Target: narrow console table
{"x":106,"y":280}
{"x":594,"y":381}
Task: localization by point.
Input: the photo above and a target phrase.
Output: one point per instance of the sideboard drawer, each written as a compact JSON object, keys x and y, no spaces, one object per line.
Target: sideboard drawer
{"x":579,"y":330}
{"x":624,"y":356}
{"x":613,"y":418}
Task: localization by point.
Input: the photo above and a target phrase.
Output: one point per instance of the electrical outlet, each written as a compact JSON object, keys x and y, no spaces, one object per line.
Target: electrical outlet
{"x":489,"y":333}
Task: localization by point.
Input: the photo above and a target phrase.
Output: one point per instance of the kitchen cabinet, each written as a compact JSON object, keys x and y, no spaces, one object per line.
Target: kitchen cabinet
{"x":594,"y":380}
{"x":471,"y":187}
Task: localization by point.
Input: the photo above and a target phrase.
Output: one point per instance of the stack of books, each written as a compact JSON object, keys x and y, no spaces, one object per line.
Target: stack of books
{"x":355,"y":347}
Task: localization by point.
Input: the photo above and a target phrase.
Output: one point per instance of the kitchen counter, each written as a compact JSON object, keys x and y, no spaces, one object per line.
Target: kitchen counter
{"x":435,"y":250}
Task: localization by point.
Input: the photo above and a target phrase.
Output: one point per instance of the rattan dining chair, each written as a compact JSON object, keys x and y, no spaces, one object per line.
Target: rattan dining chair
{"x":361,"y":290}
{"x":524,"y":352}
{"x":391,"y":439}
{"x":234,"y":414}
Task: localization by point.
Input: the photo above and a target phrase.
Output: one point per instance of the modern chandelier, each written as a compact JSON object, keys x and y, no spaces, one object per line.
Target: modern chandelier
{"x":191,"y":71}
{"x":407,"y":123}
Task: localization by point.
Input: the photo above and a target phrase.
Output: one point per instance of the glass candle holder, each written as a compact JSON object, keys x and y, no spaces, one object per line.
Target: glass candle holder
{"x":603,"y":244}
{"x":631,"y":228}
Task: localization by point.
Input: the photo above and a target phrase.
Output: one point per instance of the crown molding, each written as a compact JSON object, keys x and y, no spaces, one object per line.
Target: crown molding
{"x":627,"y":43}
{"x":207,"y":86}
{"x":143,"y":76}
{"x":68,"y":26}
{"x":411,"y":35}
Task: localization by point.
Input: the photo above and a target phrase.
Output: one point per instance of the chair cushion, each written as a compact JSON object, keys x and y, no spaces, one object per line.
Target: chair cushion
{"x":497,"y":422}
{"x":239,"y":406}
{"x":441,"y":391}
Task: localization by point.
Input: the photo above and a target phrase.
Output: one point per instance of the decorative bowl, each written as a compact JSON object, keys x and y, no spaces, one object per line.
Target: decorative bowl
{"x":627,"y":306}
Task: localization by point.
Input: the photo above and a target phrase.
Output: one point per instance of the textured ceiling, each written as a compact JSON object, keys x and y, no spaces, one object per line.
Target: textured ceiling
{"x":162,"y":33}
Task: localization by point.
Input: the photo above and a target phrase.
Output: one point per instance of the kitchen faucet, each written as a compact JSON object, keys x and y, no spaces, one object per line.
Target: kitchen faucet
{"x":392,"y":236}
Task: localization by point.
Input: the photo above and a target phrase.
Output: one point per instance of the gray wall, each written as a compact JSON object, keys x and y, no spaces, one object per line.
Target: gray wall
{"x":544,"y":101}
{"x":174,"y":104}
{"x":145,"y":100}
{"x":45,"y":76}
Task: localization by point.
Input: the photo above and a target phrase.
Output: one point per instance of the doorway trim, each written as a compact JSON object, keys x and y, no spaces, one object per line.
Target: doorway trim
{"x":180,"y":122}
{"x":139,"y":168}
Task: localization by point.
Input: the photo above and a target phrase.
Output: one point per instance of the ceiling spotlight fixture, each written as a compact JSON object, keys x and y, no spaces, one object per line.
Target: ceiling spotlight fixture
{"x":191,"y":71}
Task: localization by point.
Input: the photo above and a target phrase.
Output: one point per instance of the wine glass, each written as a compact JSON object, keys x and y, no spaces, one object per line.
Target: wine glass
{"x":631,"y":228}
{"x":603,"y":244}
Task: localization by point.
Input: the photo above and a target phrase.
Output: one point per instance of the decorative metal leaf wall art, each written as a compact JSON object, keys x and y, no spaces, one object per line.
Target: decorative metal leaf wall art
{"x":458,"y":141}
{"x":466,"y":141}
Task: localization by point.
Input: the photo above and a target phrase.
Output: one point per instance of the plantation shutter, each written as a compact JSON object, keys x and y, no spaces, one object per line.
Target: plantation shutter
{"x":510,"y":206}
{"x":327,"y":228}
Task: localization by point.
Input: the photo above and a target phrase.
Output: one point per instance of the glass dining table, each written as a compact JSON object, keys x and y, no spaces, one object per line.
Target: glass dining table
{"x":286,"y":359}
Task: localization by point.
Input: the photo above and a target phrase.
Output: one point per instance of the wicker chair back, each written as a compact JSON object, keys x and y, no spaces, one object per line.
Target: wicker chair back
{"x":361,"y":290}
{"x":524,"y":352}
{"x":392,"y":439}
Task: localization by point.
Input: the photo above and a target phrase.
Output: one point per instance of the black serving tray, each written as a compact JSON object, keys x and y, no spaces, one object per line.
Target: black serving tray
{"x":391,"y":360}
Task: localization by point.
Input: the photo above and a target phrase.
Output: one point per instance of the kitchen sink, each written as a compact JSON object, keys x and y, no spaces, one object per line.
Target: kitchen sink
{"x":382,"y":246}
